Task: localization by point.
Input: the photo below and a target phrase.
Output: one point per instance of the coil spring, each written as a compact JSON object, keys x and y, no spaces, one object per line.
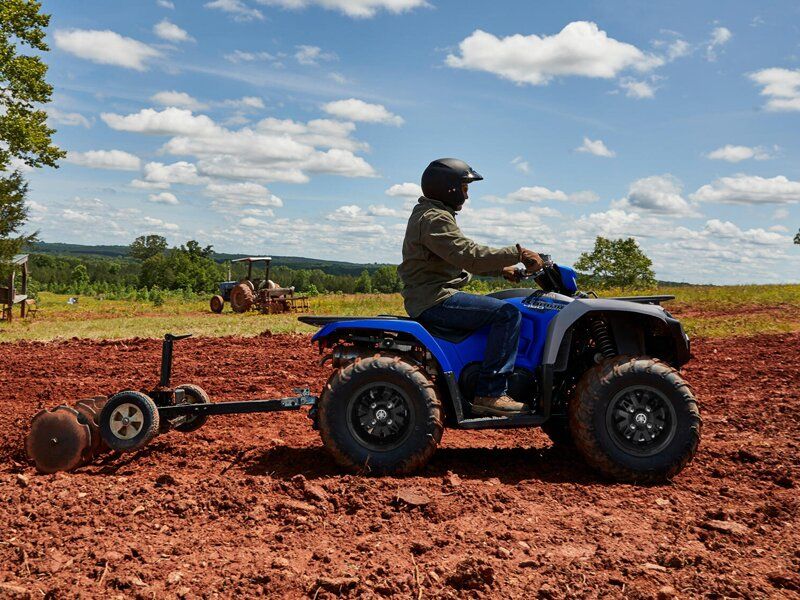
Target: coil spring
{"x":602,"y":337}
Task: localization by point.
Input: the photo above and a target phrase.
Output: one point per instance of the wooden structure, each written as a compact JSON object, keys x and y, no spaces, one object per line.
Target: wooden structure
{"x":8,"y":293}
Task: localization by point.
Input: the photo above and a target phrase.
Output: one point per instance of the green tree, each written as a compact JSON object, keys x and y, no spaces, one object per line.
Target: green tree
{"x":616,"y":263}
{"x":80,"y":276}
{"x":797,"y":237}
{"x":385,"y":280}
{"x":364,"y":283}
{"x":24,"y":134}
{"x":145,"y":246}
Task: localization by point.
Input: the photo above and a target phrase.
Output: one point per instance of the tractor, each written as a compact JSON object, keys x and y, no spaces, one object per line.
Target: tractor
{"x":263,"y":295}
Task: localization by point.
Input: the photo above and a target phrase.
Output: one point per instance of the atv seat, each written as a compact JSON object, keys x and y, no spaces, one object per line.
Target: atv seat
{"x":452,"y":335}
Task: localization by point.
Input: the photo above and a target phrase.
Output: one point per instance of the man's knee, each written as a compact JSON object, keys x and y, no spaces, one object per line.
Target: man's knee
{"x":509,"y":313}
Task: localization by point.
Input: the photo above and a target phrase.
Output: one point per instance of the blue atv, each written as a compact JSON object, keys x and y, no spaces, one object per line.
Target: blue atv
{"x":599,"y":374}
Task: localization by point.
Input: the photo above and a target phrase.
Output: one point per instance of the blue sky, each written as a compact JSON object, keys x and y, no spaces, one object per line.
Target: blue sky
{"x":301,"y":127}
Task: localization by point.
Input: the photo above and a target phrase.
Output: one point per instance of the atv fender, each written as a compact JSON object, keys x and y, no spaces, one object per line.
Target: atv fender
{"x":408,"y":327}
{"x":557,"y":330}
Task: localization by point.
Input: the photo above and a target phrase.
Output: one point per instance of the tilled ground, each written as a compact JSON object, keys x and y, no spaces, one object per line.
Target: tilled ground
{"x":252,"y":505}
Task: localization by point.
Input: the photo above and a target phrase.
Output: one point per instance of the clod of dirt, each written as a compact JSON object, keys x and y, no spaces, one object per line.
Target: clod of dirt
{"x":666,"y":593}
{"x":14,"y":591}
{"x":337,"y":585}
{"x":421,"y":547}
{"x":471,"y":574}
{"x":727,"y":527}
{"x":452,"y":479}
{"x":165,"y":479}
{"x":22,"y":481}
{"x":412,"y":497}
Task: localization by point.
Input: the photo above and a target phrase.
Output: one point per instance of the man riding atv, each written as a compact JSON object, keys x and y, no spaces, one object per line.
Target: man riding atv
{"x":438,"y":260}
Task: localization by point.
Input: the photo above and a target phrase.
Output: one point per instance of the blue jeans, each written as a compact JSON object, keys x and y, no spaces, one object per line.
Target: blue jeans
{"x":471,"y":312}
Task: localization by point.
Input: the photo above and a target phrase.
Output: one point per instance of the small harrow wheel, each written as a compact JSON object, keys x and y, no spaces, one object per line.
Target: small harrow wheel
{"x":194,"y":395}
{"x":217,"y":303}
{"x":242,"y":297}
{"x":128,"y":421}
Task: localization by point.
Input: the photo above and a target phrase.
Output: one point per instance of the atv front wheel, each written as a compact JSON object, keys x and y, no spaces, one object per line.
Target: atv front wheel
{"x":381,"y":415}
{"x":635,"y":419}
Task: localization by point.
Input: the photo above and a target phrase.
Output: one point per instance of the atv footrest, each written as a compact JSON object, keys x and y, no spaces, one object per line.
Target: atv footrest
{"x":524,"y":420}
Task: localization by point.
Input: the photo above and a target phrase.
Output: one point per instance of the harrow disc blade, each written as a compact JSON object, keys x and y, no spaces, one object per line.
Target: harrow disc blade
{"x":58,"y":441}
{"x":90,"y":408}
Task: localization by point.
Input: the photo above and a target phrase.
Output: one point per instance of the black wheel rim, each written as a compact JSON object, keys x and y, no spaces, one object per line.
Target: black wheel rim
{"x":380,"y":416}
{"x":641,"y":420}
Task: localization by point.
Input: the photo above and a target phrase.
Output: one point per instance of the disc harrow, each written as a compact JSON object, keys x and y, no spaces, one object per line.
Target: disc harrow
{"x":67,"y":437}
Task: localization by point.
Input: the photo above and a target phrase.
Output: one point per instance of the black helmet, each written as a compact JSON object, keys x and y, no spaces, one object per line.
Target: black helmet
{"x":443,"y":178}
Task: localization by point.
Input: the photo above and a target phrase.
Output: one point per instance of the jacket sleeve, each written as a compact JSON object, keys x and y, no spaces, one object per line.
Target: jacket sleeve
{"x":442,"y":236}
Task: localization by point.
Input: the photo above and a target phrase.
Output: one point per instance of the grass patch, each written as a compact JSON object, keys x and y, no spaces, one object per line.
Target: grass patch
{"x":705,"y":311}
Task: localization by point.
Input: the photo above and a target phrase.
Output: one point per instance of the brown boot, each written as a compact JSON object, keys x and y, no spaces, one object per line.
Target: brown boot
{"x":501,"y":407}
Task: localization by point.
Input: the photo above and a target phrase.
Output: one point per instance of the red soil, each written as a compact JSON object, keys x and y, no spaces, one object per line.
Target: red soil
{"x":253,"y":505}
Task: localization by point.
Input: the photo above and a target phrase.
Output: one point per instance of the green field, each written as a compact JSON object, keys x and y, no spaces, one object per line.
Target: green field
{"x":705,"y":311}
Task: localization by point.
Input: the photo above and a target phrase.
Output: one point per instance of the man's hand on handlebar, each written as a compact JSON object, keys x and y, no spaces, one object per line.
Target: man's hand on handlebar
{"x":532,"y":261}
{"x":513,"y":274}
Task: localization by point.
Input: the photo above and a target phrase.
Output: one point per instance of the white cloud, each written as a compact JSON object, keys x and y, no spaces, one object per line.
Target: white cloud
{"x":780,"y":214}
{"x":660,"y":194}
{"x":245,"y":102}
{"x":239,"y":56}
{"x":637,"y":88}
{"x":273,"y":150}
{"x":719,"y":37}
{"x":164,"y":198}
{"x":596,"y":147}
{"x":171,"y":32}
{"x":238,"y":10}
{"x":736,"y":154}
{"x":160,"y":175}
{"x":312,"y":55}
{"x":166,"y":4}
{"x":678,"y":49}
{"x":580,"y":49}
{"x":242,"y":194}
{"x":358,"y":110}
{"x":105,"y":159}
{"x":352,"y":8}
{"x":67,"y":118}
{"x":159,"y":224}
{"x":178,"y":99}
{"x":749,"y":189}
{"x":728,"y":230}
{"x":381,"y":210}
{"x":405,"y":190}
{"x":521,"y":165}
{"x":539,"y":193}
{"x":170,"y":121}
{"x":781,"y":86}
{"x":778,"y":228}
{"x":106,"y":48}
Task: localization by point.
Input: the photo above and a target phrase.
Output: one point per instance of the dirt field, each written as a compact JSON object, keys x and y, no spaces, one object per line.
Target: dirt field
{"x":252,"y":505}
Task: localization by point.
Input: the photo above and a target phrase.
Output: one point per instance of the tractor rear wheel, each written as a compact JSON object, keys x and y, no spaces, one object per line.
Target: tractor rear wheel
{"x":217,"y":303}
{"x":381,"y":415}
{"x":242,"y":297}
{"x":635,"y":419}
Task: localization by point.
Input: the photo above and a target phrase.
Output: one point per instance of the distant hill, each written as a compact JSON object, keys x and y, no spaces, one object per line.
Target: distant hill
{"x":332,"y":267}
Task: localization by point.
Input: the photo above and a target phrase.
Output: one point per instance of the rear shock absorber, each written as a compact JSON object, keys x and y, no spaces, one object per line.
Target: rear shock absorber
{"x":602,"y":337}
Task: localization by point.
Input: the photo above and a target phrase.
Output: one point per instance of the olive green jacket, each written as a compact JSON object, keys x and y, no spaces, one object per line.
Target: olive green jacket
{"x":438,"y":258}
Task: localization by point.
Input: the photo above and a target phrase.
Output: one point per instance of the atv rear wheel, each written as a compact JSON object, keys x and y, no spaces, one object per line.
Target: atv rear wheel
{"x":635,"y":419}
{"x":242,"y":297}
{"x":381,"y":415}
